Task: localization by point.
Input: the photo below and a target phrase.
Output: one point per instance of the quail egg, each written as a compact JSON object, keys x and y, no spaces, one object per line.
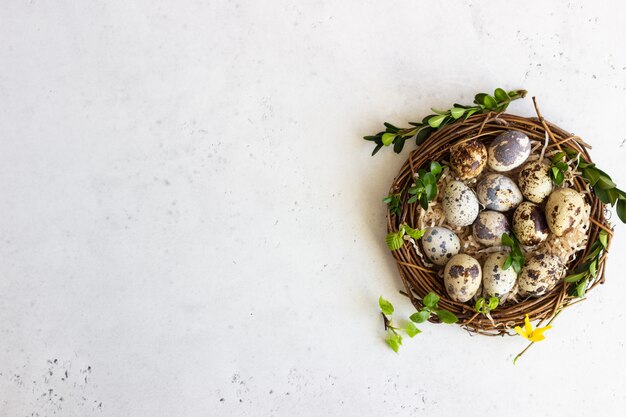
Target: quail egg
{"x":489,"y":226}
{"x":565,"y":210}
{"x":468,"y":159}
{"x":459,"y":203}
{"x":497,"y":281}
{"x":529,"y":224}
{"x":462,"y":277}
{"x":540,"y":274}
{"x":440,"y":244}
{"x":498,"y":192}
{"x":507,"y":151}
{"x":534,"y":181}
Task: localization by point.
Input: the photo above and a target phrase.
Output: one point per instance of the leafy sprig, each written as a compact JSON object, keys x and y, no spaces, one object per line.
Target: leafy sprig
{"x":587,"y":271}
{"x":516,"y":256}
{"x":394,"y":338}
{"x":393,"y":203}
{"x":431,"y":306}
{"x":420,"y":131}
{"x":484,"y":306}
{"x":558,"y":168}
{"x":395,"y":240}
{"x":602,"y":184}
{"x":424,"y":189}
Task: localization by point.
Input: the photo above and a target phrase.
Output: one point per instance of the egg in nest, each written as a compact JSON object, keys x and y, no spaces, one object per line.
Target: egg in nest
{"x":459,"y":203}
{"x":529,"y":224}
{"x":498,"y":192}
{"x":497,"y":281}
{"x":508,"y":151}
{"x":534,"y":181}
{"x":440,"y":244}
{"x":565,"y":210}
{"x":489,"y":227}
{"x":462,"y":277}
{"x":540,"y":274}
{"x":468,"y":159}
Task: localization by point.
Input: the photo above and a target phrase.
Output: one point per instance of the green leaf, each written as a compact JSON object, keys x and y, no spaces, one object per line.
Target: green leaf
{"x":411,"y":329}
{"x":576,"y":277}
{"x":606,"y":183}
{"x":388,"y":138}
{"x":423,"y":134}
{"x":493,"y":303}
{"x":471,"y":112}
{"x":604,"y":195}
{"x":377,"y":148}
{"x":431,"y":191}
{"x":429,"y":178}
{"x":456,"y":112}
{"x":621,"y":210}
{"x":593,"y":268}
{"x":415,"y":234}
{"x":581,"y":288}
{"x":507,"y":263}
{"x":394,"y":240}
{"x":424,"y":201}
{"x":446,"y":316}
{"x":559,"y":178}
{"x":387,"y":200}
{"x":517,"y":266}
{"x":562,"y":166}
{"x":394,"y":341}
{"x":591,"y":175}
{"x":430,"y":300}
{"x":442,"y":112}
{"x":480,"y":98}
{"x":603,"y":238}
{"x":436,"y":121}
{"x":420,"y":317}
{"x":435,"y":168}
{"x":501,"y":95}
{"x":558,"y":157}
{"x":385,"y":306}
{"x":490,"y":102}
{"x":412,"y":199}
{"x":398,"y":144}
{"x":506,"y":240}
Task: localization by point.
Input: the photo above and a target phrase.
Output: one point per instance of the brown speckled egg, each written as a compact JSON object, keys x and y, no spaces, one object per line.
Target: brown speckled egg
{"x":459,"y":203}
{"x":461,"y":277}
{"x":498,"y":192}
{"x":564,"y":210}
{"x":497,"y":281}
{"x":529,"y":224}
{"x":540,"y":274}
{"x":534,"y":181}
{"x":509,"y":150}
{"x":489,"y":227}
{"x":440,"y":244}
{"x":468,"y":159}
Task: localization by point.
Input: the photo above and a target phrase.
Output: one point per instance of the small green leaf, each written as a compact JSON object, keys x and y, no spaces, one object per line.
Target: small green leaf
{"x":394,"y":240}
{"x":412,"y":199}
{"x":480,"y":98}
{"x":415,"y":234}
{"x":575,"y":277}
{"x":412,"y":329}
{"x":429,"y":179}
{"x":456,"y":112}
{"x":517,"y":266}
{"x":558,"y":157}
{"x":501,"y":95}
{"x":591,"y":175}
{"x":442,"y":112}
{"x":394,"y":341}
{"x":424,"y":201}
{"x":420,"y":317}
{"x":436,"y":121}
{"x":377,"y":148}
{"x":431,"y":191}
{"x":430,"y":300}
{"x":507,"y":263}
{"x":385,"y":306}
{"x":581,"y":288}
{"x":398,"y":144}
{"x":493,"y":303}
{"x":471,"y":112}
{"x":387,"y":200}
{"x":593,"y":268}
{"x":603,"y":238}
{"x":490,"y":102}
{"x":388,"y":138}
{"x":621,"y":210}
{"x":435,"y":168}
{"x":506,"y":240}
{"x":446,"y":316}
{"x":423,"y":134}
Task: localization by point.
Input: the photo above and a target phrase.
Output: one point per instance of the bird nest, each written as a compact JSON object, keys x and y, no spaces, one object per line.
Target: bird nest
{"x":420,"y":277}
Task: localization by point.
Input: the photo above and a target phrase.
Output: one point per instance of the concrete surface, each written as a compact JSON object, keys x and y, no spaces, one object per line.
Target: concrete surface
{"x":191,"y":225}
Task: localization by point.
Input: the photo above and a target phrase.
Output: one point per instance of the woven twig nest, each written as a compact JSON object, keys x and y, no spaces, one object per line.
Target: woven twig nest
{"x":420,"y":277}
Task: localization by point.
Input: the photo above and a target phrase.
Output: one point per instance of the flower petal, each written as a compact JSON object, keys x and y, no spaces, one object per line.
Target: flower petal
{"x":527,"y":325}
{"x":521,"y":332}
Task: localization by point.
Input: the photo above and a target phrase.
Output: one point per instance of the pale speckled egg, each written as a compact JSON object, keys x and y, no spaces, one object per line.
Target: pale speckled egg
{"x":497,"y":281}
{"x":498,"y":192}
{"x":540,"y":274}
{"x":468,"y":159}
{"x":507,"y":151}
{"x":459,"y":203}
{"x":489,"y":227}
{"x":565,"y":210}
{"x":534,"y":181}
{"x":440,"y":244}
{"x":529,"y":224}
{"x":462,"y":277}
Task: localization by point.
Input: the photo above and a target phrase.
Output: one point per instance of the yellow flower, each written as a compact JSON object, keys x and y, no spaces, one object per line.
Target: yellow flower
{"x":534,"y":335}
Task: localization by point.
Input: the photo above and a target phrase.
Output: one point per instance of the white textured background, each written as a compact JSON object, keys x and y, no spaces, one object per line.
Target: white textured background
{"x":190,"y":224}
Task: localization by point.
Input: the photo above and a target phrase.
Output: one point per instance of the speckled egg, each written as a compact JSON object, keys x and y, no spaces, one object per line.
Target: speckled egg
{"x":534,"y":181}
{"x":459,"y":203}
{"x":564,"y":210}
{"x":540,"y":274}
{"x":497,"y":281}
{"x":468,"y":159}
{"x":498,"y":192}
{"x":529,"y":224}
{"x":507,"y":151}
{"x":462,"y":277}
{"x":489,"y":227}
{"x":440,"y":244}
